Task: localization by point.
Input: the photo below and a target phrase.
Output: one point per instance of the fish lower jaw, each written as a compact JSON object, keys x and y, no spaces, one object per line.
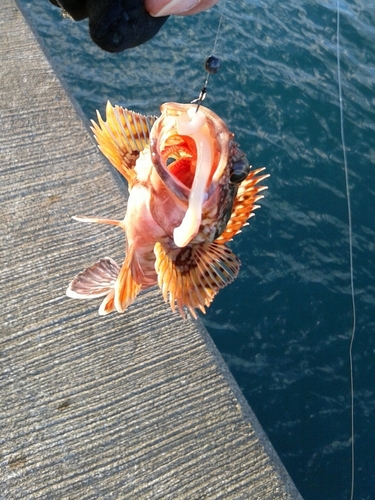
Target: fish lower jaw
{"x":193,"y":123}
{"x":189,"y":227}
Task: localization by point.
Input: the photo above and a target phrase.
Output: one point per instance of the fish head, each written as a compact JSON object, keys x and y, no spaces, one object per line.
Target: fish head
{"x":192,"y":193}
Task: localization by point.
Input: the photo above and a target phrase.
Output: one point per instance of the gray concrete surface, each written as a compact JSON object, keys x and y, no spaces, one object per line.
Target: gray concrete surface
{"x":134,"y":406}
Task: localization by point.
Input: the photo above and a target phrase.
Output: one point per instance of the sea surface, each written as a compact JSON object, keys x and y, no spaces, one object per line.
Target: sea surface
{"x":284,"y":325}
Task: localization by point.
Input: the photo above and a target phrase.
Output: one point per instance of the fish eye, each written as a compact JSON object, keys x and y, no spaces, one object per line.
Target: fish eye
{"x":239,"y":170}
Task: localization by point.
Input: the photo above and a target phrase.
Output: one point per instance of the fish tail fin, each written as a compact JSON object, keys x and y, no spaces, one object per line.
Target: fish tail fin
{"x":126,"y":288}
{"x":122,"y":137}
{"x":191,"y":276}
{"x":95,"y":281}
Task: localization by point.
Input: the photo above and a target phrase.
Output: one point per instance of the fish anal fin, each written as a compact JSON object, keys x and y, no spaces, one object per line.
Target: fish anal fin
{"x":108,"y":304}
{"x":191,"y":276}
{"x":126,"y":288}
{"x":122,"y":137}
{"x":95,"y":281}
{"x":244,"y":204}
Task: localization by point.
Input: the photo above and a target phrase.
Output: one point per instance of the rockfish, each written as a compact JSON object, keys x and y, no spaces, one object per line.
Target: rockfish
{"x":191,"y":190}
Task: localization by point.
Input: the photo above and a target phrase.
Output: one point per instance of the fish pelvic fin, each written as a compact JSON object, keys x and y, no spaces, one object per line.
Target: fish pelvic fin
{"x":95,"y":281}
{"x":122,"y":137}
{"x":244,"y":204}
{"x":95,"y":220}
{"x":191,"y":276}
{"x":126,"y":288}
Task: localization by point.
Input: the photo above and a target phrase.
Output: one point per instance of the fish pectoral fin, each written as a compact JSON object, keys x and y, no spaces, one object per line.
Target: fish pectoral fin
{"x":122,"y":137}
{"x":191,"y":276}
{"x":95,"y":281}
{"x":126,"y":288}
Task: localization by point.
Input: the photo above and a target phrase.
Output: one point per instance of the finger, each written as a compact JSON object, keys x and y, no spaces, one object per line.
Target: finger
{"x":177,"y":7}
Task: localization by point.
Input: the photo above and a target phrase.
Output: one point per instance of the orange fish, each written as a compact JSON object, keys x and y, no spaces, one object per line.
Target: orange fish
{"x":191,"y":190}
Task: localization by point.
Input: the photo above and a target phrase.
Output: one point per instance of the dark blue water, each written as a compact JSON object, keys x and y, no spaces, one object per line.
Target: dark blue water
{"x":284,"y":326}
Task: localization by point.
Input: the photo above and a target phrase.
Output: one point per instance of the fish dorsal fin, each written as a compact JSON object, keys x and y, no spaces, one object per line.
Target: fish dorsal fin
{"x":95,"y":281}
{"x":126,"y":288}
{"x":244,"y":204}
{"x":191,"y":276}
{"x":122,"y":137}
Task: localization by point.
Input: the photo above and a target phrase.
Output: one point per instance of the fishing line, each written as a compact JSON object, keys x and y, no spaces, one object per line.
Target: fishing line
{"x":219,"y":26}
{"x":212,"y":63}
{"x":350,"y":251}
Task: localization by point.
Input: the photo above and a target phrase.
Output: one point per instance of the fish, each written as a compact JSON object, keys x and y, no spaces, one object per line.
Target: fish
{"x":191,"y":190}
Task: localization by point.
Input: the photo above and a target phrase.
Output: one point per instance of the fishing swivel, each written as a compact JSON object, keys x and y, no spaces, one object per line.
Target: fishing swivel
{"x":212,"y":66}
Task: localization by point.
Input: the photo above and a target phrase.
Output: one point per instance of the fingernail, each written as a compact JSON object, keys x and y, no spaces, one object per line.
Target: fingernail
{"x":176,"y":7}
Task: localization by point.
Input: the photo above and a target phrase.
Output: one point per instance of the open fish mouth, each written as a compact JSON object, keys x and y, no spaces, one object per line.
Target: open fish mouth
{"x":189,"y":150}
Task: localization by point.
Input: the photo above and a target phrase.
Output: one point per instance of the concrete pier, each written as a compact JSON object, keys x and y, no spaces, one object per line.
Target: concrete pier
{"x":133,"y":406}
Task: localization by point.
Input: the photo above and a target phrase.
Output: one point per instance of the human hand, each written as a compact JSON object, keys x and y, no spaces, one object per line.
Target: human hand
{"x":159,"y":8}
{"x":117,"y":25}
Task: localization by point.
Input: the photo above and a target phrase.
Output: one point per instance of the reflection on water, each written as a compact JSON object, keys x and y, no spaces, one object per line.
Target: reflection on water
{"x":284,"y":326}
